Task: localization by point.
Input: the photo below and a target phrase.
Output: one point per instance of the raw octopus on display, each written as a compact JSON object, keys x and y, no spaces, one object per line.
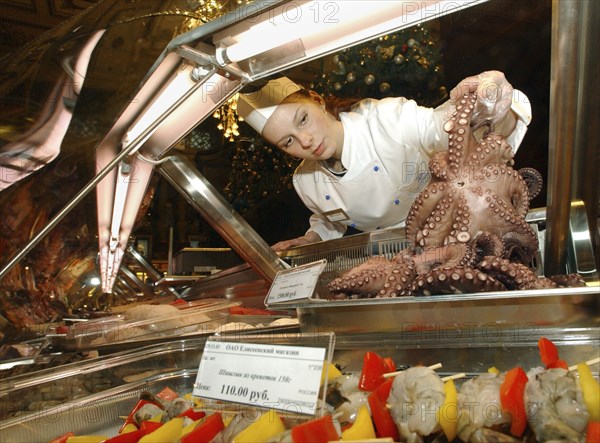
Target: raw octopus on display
{"x":467,"y":228}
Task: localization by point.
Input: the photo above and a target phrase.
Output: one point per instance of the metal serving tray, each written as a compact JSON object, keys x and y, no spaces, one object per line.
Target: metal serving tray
{"x":175,"y":365}
{"x":534,"y":308}
{"x":239,"y":325}
{"x":198,"y":317}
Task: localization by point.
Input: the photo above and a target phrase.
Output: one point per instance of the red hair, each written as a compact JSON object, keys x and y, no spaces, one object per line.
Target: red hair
{"x":334,"y":105}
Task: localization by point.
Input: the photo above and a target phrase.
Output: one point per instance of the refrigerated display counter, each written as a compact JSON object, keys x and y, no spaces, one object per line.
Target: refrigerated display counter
{"x":92,"y":398}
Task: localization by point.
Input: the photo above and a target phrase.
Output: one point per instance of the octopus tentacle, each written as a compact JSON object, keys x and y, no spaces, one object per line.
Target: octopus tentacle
{"x":568,"y":280}
{"x":449,"y":256}
{"x":428,"y":211}
{"x":462,"y":216}
{"x":493,"y":149}
{"x":459,"y":131}
{"x":399,"y":282}
{"x":533,"y":179}
{"x":485,"y":244}
{"x":438,"y":165}
{"x":513,"y":275}
{"x":455,"y":281}
{"x":510,"y":186}
{"x":365,"y":278}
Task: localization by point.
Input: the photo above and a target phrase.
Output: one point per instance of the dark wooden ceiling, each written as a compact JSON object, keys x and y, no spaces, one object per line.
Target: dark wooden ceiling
{"x":24,"y":20}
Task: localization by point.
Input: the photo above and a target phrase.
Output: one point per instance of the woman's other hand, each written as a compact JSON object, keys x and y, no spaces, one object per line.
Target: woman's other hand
{"x":309,"y":237}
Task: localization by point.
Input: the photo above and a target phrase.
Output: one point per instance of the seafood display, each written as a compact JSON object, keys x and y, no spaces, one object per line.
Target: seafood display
{"x":481,"y":409}
{"x":412,"y":404}
{"x":467,"y":228}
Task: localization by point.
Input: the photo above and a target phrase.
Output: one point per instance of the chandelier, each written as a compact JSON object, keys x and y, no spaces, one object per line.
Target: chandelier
{"x":227,"y":114}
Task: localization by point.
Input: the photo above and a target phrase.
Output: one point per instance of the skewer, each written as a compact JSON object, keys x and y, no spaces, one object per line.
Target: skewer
{"x":392,"y":374}
{"x":454,"y":376}
{"x":593,"y":361}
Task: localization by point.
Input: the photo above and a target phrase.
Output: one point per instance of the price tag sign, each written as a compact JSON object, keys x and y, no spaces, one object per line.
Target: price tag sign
{"x":295,"y":283}
{"x":280,"y":377}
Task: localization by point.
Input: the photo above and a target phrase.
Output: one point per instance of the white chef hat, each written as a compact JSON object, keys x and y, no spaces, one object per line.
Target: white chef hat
{"x":256,"y":107}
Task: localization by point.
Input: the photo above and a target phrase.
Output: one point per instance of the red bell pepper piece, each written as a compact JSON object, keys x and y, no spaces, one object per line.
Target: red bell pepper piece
{"x":390,"y":365}
{"x":63,"y":438}
{"x":383,"y":390}
{"x":320,"y":430}
{"x":374,"y":366}
{"x":593,"y":432}
{"x":129,"y":437}
{"x":548,"y":351}
{"x":512,"y":392}
{"x":382,"y":419}
{"x":192,"y":415}
{"x":205,"y":431}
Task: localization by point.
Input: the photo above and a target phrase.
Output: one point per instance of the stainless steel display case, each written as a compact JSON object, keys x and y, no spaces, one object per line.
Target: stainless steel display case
{"x":217,"y":59}
{"x":122,"y":377}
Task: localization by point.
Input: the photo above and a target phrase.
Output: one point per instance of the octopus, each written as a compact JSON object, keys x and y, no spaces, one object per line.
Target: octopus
{"x":467,"y":230}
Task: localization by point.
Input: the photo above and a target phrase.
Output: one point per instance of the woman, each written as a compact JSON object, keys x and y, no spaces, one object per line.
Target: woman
{"x":363,"y":168}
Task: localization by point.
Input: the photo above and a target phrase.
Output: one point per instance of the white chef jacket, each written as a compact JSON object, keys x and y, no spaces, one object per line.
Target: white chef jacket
{"x":387,"y":146}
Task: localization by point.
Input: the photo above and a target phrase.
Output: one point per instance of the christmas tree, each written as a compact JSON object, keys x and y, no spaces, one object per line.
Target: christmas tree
{"x":258,"y":172}
{"x":404,"y":64}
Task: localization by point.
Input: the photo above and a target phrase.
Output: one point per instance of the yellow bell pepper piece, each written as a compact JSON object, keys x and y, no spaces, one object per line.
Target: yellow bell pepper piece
{"x":167,"y":433}
{"x":448,"y":413}
{"x":86,"y":439}
{"x":493,"y":370}
{"x":268,"y":425}
{"x":129,"y":427}
{"x":591,"y":391}
{"x":331,"y":375}
{"x":362,"y":428}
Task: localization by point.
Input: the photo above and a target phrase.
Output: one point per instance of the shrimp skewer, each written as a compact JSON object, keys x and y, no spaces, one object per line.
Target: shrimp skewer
{"x":416,"y":396}
{"x":555,"y":407}
{"x":480,"y":410}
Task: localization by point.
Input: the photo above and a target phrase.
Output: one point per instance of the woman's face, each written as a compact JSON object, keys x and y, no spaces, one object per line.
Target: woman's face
{"x":304,"y":130}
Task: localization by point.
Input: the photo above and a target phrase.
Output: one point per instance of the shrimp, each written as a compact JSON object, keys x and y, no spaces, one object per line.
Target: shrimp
{"x":344,"y":396}
{"x":416,"y":396}
{"x":555,"y":407}
{"x":480,"y":410}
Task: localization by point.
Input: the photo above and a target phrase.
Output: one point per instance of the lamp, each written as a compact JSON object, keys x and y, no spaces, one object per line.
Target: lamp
{"x":303,"y":30}
{"x":173,"y":100}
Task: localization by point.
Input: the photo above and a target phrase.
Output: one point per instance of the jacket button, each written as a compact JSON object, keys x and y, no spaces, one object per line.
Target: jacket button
{"x":397,"y":202}
{"x":376,"y":168}
{"x":327,"y":197}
